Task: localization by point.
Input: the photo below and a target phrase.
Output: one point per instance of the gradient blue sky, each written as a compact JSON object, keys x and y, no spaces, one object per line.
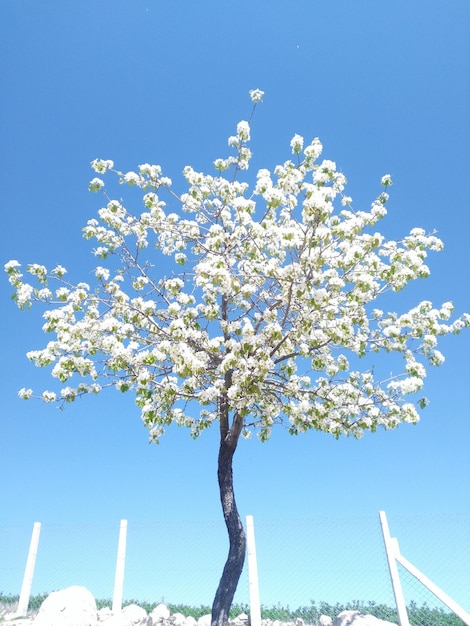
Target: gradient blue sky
{"x":386,"y":88}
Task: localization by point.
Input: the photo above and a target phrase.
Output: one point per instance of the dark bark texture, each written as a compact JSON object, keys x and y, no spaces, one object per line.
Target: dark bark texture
{"x":236,"y":556}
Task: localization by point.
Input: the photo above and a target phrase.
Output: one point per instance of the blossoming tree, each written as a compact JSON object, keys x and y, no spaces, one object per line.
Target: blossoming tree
{"x":244,"y":308}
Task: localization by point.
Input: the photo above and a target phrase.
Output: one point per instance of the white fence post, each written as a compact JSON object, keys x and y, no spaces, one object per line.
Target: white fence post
{"x":393,"y":555}
{"x":443,"y":597}
{"x":391,"y":549}
{"x":255,"y":607}
{"x":29,"y":572}
{"x":120,"y":563}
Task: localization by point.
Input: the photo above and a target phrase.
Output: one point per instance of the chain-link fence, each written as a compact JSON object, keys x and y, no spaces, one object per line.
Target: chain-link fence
{"x":328,"y":563}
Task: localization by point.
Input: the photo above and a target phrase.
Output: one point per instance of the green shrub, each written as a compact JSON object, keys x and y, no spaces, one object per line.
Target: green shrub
{"x":418,"y":615}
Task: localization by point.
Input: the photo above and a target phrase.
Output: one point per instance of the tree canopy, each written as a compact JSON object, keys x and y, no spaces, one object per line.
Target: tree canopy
{"x":262,"y":298}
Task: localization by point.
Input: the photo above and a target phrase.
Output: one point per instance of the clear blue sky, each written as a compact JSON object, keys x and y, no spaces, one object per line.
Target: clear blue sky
{"x":386,"y":88}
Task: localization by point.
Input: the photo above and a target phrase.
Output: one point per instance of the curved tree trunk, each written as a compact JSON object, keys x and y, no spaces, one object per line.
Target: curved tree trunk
{"x":236,"y":556}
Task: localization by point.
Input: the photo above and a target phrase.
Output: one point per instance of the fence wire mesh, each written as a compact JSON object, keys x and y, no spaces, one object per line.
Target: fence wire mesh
{"x":318,"y":565}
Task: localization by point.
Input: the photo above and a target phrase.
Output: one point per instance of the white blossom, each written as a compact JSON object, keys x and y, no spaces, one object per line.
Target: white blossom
{"x":243,"y":131}
{"x":256,"y":95}
{"x":49,"y":396}
{"x":59,"y":271}
{"x":101,"y":166}
{"x":131,"y":178}
{"x":297,"y":144}
{"x":102,"y":273}
{"x":96,"y":184}
{"x":11,"y":265}
{"x":24,"y":294}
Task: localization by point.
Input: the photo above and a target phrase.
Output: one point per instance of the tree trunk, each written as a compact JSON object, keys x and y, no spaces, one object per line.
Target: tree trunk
{"x":236,"y":556}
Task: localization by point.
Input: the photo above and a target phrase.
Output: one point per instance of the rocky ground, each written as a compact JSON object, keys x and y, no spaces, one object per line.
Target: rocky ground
{"x":76,"y":606}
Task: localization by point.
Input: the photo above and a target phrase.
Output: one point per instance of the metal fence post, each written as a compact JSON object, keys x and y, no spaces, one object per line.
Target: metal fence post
{"x":433,"y":588}
{"x":255,"y":607}
{"x":29,"y":572}
{"x":391,"y":548}
{"x":120,"y":563}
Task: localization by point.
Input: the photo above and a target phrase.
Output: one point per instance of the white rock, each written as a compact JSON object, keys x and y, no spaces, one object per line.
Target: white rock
{"x":205,"y":620}
{"x":104,"y":613}
{"x":12,"y":619}
{"x":345,"y":618}
{"x":8,"y":617}
{"x":74,"y":606}
{"x":375,"y":621}
{"x":118,"y":619}
{"x":325,"y":620}
{"x":178,"y":619}
{"x":190,"y":621}
{"x":241,"y":619}
{"x":160,"y":613}
{"x":136,"y":615}
{"x":354,"y":618}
